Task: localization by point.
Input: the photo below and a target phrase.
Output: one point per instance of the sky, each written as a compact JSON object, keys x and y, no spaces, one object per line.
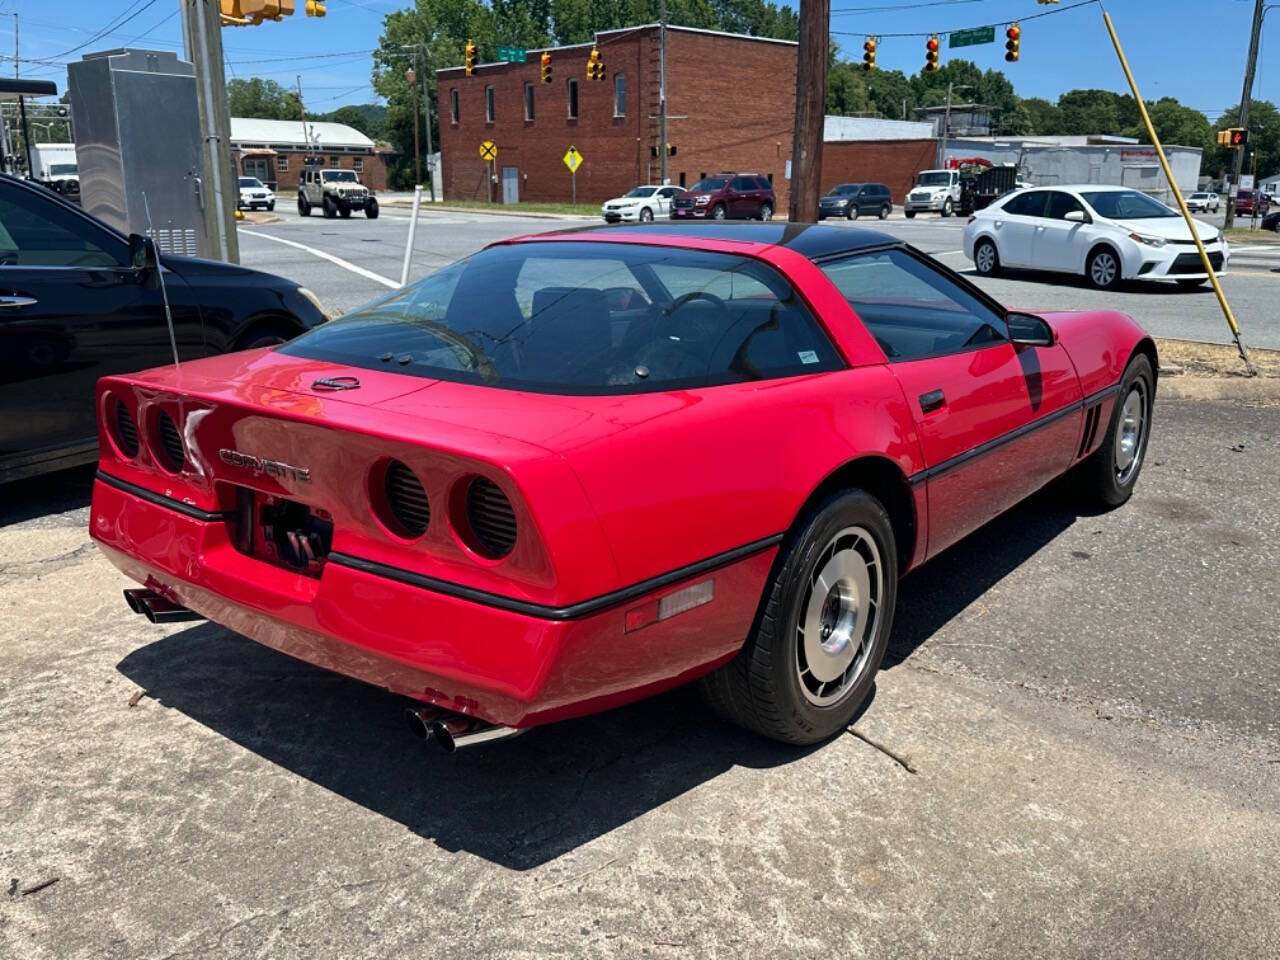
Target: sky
{"x":1193,"y":50}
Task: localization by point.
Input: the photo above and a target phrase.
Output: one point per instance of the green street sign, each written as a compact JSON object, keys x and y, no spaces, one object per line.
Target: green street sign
{"x":511,"y":54}
{"x":971,"y":38}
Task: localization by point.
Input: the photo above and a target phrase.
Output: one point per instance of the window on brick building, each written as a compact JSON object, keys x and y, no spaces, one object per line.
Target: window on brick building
{"x":357,"y":163}
{"x":453,"y":104}
{"x":619,"y":96}
{"x":488,"y":104}
{"x":282,"y":164}
{"x":528,"y":101}
{"x":335,"y":161}
{"x":573,"y":99}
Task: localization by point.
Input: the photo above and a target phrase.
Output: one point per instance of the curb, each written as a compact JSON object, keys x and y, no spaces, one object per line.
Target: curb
{"x":259,"y":218}
{"x":408,"y":205}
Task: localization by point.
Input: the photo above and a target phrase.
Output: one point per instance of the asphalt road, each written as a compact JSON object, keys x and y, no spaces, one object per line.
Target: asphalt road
{"x":1252,"y":285}
{"x":1088,"y":703}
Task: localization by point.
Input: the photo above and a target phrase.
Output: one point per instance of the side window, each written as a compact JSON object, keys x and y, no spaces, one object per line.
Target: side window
{"x":1027,"y":204}
{"x":42,"y":234}
{"x":742,"y":184}
{"x":1060,"y":204}
{"x":911,"y":309}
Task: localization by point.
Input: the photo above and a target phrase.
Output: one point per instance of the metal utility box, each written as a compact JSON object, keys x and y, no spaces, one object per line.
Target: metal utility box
{"x":138,"y":130}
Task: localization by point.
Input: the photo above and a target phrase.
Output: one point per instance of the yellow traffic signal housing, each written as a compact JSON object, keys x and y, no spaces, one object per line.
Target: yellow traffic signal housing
{"x":869,"y":54}
{"x":470,"y":57}
{"x":315,"y":8}
{"x":595,"y":67}
{"x":546,"y":67}
{"x":1013,"y":44}
{"x":931,"y":54}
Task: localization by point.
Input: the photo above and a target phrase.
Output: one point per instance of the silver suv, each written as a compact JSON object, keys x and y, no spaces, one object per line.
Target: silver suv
{"x":336,"y":192}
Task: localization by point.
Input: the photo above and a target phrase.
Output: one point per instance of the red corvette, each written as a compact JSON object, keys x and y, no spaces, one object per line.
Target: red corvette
{"x":579,"y":468}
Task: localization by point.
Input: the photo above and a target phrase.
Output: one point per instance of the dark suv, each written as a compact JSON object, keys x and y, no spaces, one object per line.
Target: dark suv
{"x":853,"y":199}
{"x":746,"y":196}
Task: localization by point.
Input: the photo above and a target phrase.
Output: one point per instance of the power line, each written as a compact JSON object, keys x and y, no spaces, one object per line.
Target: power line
{"x":904,"y":6}
{"x":941,"y":33}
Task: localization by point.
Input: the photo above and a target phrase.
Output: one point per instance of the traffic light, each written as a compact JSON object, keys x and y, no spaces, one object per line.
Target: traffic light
{"x":595,"y":67}
{"x":1012,"y":45}
{"x":931,"y":54}
{"x":546,"y":67}
{"x":1239,"y":137}
{"x":315,"y":8}
{"x":469,"y":57}
{"x":671,"y":150}
{"x":869,"y":55}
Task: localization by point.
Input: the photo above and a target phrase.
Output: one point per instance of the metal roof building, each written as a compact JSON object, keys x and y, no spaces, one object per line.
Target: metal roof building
{"x":288,"y":135}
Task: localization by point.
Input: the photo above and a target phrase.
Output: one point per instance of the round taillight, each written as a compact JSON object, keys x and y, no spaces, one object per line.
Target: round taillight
{"x":167,"y":448}
{"x":407,"y":511}
{"x":124,"y":430}
{"x":491,"y":519}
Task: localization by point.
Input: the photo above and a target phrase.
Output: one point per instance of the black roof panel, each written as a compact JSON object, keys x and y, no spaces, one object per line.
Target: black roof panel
{"x":812,"y":240}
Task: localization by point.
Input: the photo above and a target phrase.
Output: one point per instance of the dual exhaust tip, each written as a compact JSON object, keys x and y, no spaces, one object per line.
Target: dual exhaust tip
{"x":158,"y":609}
{"x":453,"y":731}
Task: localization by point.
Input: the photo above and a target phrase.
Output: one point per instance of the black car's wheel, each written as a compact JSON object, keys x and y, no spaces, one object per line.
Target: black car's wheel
{"x":371,"y":209}
{"x":345,"y":210}
{"x":851,"y":211}
{"x":304,"y":208}
{"x":909,"y":214}
{"x":946,"y":207}
{"x":329,"y":207}
{"x":265,"y":334}
{"x":766,"y":211}
{"x":823,"y":627}
{"x":718,"y":212}
{"x":1110,"y":472}
{"x":884,"y":212}
{"x":1103,"y":268}
{"x":986,"y":258}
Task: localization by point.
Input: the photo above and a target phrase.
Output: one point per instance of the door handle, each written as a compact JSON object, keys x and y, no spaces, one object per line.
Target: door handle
{"x":15,"y":303}
{"x":931,"y":401}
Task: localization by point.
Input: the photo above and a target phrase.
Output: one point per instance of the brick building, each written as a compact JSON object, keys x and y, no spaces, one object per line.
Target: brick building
{"x":274,"y":151}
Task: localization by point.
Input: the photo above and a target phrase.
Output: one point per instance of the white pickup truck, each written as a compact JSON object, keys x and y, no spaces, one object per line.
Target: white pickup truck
{"x":935,"y":191}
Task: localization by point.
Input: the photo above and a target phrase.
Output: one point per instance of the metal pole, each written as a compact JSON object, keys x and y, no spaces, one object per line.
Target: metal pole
{"x":417,"y":157}
{"x":205,"y":54}
{"x":1250,"y":66}
{"x":413,"y":229}
{"x":1182,"y":204}
{"x":26,"y":136}
{"x":664,"y":176}
{"x":426,"y":111}
{"x":302,"y":116}
{"x":946,"y":128}
{"x":573,"y":179}
{"x":15,"y":45}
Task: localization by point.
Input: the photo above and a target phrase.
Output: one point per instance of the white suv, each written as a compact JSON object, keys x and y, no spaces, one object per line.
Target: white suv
{"x":254,"y":194}
{"x":1203,"y":202}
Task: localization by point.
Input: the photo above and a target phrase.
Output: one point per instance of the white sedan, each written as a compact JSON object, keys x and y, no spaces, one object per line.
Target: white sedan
{"x":1107,"y":234}
{"x":1203,"y":202}
{"x":640,"y":205}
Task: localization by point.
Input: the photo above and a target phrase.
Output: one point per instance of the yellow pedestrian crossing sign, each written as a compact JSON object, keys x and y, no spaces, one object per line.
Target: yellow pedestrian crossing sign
{"x":572,"y":159}
{"x":488,"y":150}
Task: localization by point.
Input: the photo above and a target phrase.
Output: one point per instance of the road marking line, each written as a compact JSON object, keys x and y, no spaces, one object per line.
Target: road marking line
{"x":336,"y":261}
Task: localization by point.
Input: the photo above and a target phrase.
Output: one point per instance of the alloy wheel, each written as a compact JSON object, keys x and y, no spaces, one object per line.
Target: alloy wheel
{"x":1131,"y":433}
{"x":1102,"y":269}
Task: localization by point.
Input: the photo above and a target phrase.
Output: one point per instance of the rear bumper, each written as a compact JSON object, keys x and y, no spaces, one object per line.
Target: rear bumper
{"x":507,"y":667}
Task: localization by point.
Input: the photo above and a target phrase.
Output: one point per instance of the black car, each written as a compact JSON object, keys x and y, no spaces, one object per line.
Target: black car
{"x":853,"y":199}
{"x":1272,"y":221}
{"x":75,"y":307}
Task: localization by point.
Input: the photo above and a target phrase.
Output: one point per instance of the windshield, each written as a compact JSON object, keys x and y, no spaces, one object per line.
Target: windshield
{"x":250,"y":182}
{"x":584,"y":318}
{"x":643,"y":192}
{"x":341,"y":176}
{"x":936,"y":178}
{"x":62,"y":169}
{"x":1199,"y":196}
{"x":708,"y":185}
{"x":1126,"y":205}
{"x":843,"y":189}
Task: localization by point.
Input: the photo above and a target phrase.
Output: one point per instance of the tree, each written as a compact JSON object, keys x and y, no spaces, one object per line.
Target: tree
{"x":264,"y":99}
{"x":1264,"y":138}
{"x":1177,"y":125}
{"x":357,"y":117}
{"x":1096,"y":112}
{"x":1044,"y":118}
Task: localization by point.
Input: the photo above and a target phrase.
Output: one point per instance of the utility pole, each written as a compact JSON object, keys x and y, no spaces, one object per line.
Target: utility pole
{"x":411,"y":76}
{"x":426,"y":112}
{"x":663,"y":176}
{"x":202,"y":33}
{"x":1250,"y":66}
{"x":946,"y":128}
{"x":811,"y":100}
{"x":15,"y":45}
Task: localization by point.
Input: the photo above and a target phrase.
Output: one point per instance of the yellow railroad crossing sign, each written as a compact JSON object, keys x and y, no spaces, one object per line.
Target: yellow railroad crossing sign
{"x":572,"y":159}
{"x":488,"y":150}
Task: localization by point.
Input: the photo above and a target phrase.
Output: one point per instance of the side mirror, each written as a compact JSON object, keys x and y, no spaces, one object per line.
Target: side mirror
{"x":1030,"y":331}
{"x":1077,"y":216}
{"x":142,"y":252}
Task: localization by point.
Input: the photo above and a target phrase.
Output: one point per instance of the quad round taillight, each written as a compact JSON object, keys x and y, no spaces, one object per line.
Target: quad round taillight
{"x":491,"y":519}
{"x":167,"y":444}
{"x":406,"y":510}
{"x":124,"y":430}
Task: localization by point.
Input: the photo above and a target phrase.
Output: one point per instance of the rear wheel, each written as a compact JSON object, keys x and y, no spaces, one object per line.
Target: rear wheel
{"x":1112,"y":470}
{"x":266,"y":334}
{"x":884,"y":212}
{"x":986,"y":258}
{"x":1103,"y":269}
{"x":304,"y":208}
{"x":766,"y":212}
{"x":823,"y":628}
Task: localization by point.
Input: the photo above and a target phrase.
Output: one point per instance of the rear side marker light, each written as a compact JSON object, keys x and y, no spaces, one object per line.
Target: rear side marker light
{"x":664,"y":608}
{"x":406,"y":500}
{"x":169,"y":450}
{"x":491,"y":518}
{"x":125,"y":433}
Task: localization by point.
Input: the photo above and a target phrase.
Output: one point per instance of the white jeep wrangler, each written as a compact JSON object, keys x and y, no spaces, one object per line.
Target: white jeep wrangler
{"x":335,"y":192}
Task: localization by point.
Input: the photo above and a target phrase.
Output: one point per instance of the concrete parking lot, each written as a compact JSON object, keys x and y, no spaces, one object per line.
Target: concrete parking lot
{"x":1073,"y":751}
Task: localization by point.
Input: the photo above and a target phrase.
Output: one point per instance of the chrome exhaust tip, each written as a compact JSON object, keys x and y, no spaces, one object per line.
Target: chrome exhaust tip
{"x":420,"y":720}
{"x":453,"y":731}
{"x":158,"y":609}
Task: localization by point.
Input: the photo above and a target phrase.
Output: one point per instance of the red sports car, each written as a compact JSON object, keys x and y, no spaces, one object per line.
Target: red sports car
{"x":579,"y":468}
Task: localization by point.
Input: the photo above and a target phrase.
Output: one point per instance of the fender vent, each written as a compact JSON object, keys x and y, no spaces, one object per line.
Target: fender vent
{"x":492,"y":519}
{"x":172,"y":456}
{"x":126,"y":432}
{"x":407,"y":500}
{"x":1091,"y":418}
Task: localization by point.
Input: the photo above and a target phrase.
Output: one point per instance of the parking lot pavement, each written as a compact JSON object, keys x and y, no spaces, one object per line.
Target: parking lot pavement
{"x":1088,"y":703}
{"x":443,"y":236}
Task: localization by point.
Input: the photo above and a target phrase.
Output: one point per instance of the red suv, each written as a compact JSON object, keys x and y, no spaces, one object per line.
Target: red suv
{"x":727,"y":195}
{"x":1247,"y":199}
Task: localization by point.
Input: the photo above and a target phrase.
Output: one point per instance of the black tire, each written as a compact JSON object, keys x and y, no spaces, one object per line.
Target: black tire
{"x":762,"y":687}
{"x":851,"y":211}
{"x":766,"y":211}
{"x":1192,"y":284}
{"x":884,"y":212}
{"x":371,"y":209}
{"x":909,"y":214}
{"x":947,"y":207}
{"x":646,"y":215}
{"x":266,"y":334}
{"x":344,"y":209}
{"x":271,"y":205}
{"x":992,"y":265}
{"x":1097,"y":272}
{"x":718,"y":212}
{"x":1103,"y":476}
{"x":330,"y":209}
{"x":304,"y":206}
